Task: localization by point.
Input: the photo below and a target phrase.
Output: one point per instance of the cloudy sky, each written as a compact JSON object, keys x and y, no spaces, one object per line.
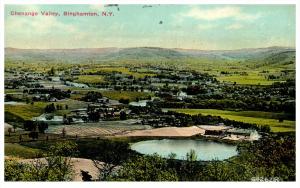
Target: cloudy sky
{"x":183,"y":26}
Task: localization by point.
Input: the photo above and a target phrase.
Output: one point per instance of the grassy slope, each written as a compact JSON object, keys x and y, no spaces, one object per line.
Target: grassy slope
{"x":260,"y":118}
{"x":20,"y":151}
{"x":28,"y":111}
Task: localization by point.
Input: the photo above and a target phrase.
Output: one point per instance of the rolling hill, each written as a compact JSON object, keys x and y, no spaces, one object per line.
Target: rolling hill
{"x":275,"y":57}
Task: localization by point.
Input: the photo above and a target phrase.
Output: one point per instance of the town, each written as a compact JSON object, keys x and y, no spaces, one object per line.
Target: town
{"x":164,"y":93}
{"x":69,"y":103}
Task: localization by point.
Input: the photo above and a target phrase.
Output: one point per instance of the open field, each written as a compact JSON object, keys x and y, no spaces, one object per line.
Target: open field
{"x":9,"y":91}
{"x":72,"y":104}
{"x":260,"y":118}
{"x":112,"y":94}
{"x":131,"y":95}
{"x":25,"y":112}
{"x":28,"y":111}
{"x":243,"y":73}
{"x":90,"y":79}
{"x":102,"y":128}
{"x":123,"y":70}
{"x":37,"y":66}
{"x":20,"y":151}
{"x":252,"y":79}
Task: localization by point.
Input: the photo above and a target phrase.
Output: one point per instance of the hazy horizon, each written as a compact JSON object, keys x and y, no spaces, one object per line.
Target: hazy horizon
{"x":148,"y":47}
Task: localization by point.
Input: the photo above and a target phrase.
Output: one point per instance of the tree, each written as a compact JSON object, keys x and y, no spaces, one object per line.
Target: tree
{"x":172,"y":156}
{"x":14,"y":126}
{"x":42,"y":126}
{"x":223,"y":171}
{"x":123,"y":115}
{"x":94,"y":116}
{"x":9,"y":130}
{"x":33,"y":135}
{"x":65,"y":120}
{"x":29,"y":125}
{"x":146,"y":168}
{"x":92,"y":96}
{"x":63,"y":132}
{"x":9,"y":97}
{"x":14,"y":171}
{"x":124,"y":101}
{"x":51,"y":72}
{"x":273,"y":156}
{"x":105,"y":170}
{"x":189,"y":166}
{"x":59,"y":159}
{"x":50,"y":108}
{"x":191,"y":156}
{"x":86,"y":176}
{"x":56,"y":166}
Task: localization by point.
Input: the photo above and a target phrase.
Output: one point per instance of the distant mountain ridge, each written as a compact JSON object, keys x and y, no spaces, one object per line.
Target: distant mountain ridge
{"x":140,"y":53}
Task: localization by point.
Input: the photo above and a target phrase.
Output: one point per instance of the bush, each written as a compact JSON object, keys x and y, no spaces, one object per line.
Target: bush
{"x":56,"y":166}
{"x":124,"y":101}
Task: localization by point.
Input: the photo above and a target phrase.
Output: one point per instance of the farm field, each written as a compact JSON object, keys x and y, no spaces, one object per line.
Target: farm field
{"x":234,"y":68}
{"x":131,"y":95}
{"x":112,"y":94}
{"x":90,"y":79}
{"x":102,"y":128}
{"x":123,"y":70}
{"x":9,"y":91}
{"x":260,"y":118}
{"x":28,"y":111}
{"x":253,"y":79}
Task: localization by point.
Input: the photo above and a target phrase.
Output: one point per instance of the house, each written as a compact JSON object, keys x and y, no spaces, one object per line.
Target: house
{"x":247,"y":133}
{"x":75,"y":72}
{"x":53,"y":99}
{"x":50,"y":119}
{"x":181,"y":95}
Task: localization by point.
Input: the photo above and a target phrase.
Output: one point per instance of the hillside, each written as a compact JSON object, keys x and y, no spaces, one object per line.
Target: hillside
{"x":271,"y":55}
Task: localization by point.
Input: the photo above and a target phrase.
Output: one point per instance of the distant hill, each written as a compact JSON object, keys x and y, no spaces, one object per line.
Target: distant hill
{"x":65,"y":55}
{"x":280,"y":59}
{"x":271,"y":55}
{"x":243,"y":54}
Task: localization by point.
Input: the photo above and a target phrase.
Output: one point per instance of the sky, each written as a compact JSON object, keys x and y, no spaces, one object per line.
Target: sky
{"x":204,"y":27}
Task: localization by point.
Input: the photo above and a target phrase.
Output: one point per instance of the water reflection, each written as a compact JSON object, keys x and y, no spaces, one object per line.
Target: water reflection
{"x":205,"y":150}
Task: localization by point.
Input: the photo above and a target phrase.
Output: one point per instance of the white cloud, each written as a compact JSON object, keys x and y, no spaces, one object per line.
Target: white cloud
{"x":234,"y":26}
{"x":206,"y":26}
{"x":219,"y":13}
